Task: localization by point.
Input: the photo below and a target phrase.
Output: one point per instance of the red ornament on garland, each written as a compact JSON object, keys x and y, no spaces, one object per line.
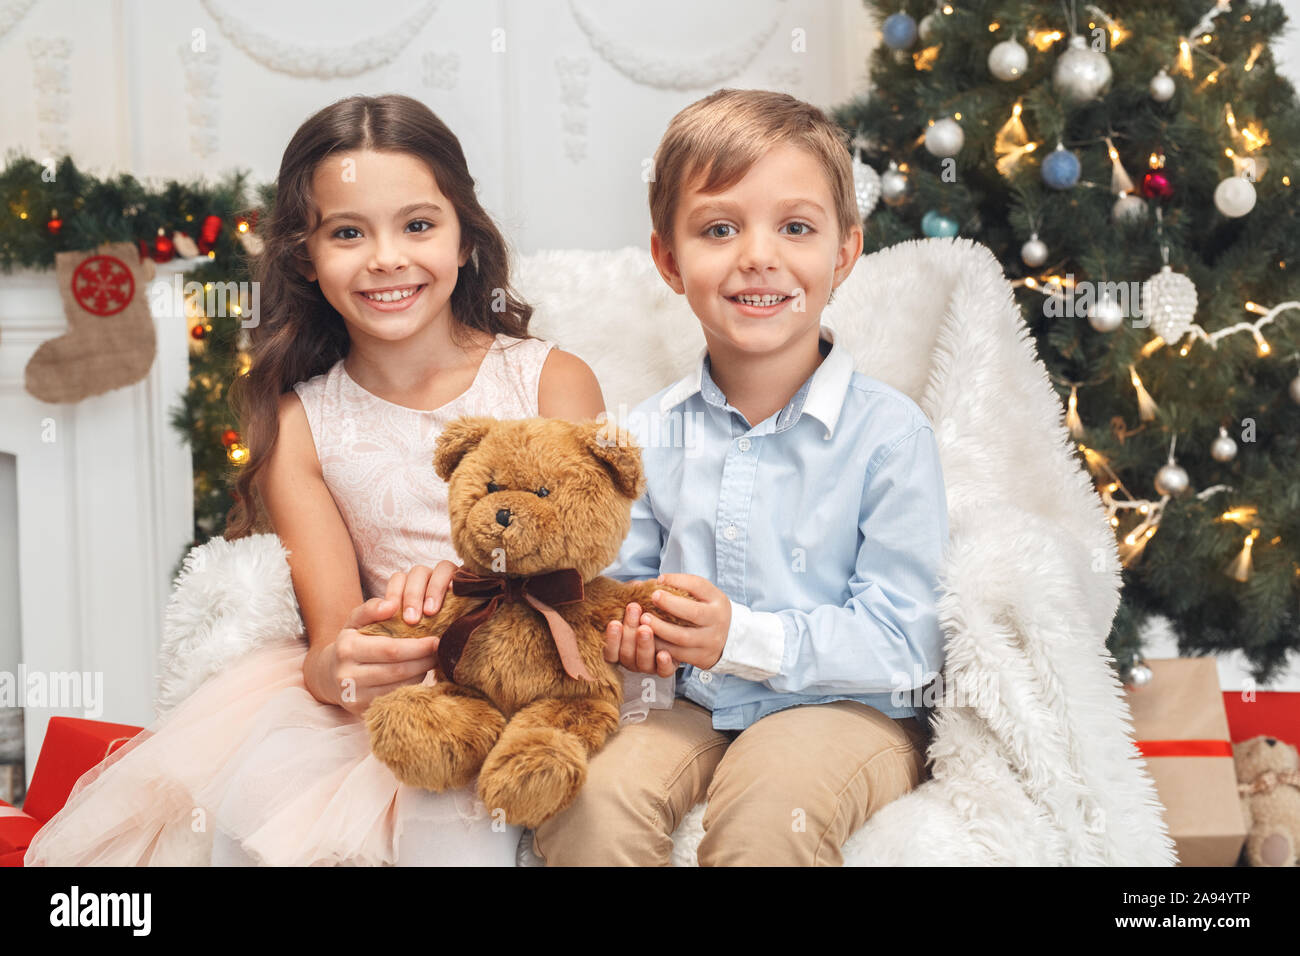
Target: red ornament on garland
{"x":208,"y":234}
{"x":199,"y":332}
{"x":163,"y":249}
{"x":54,"y":225}
{"x":229,"y":437}
{"x":1156,"y":185}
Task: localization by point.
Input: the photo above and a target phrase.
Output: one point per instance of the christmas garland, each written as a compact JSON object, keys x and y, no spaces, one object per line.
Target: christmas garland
{"x":48,"y":209}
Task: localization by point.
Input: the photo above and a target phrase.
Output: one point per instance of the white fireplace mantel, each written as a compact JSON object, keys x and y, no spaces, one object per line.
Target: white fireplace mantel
{"x":104,"y":512}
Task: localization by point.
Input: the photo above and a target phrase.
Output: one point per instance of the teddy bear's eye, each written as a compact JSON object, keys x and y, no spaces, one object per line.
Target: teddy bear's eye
{"x":542,"y":492}
{"x":493,"y":486}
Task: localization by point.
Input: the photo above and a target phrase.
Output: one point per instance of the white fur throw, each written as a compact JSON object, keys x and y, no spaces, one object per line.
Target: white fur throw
{"x":1041,"y":770}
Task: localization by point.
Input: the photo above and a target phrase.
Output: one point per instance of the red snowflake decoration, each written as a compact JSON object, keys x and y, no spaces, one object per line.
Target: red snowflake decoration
{"x":103,"y":285}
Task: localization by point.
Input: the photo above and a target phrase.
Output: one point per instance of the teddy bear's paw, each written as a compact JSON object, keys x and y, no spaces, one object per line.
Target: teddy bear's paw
{"x":435,"y":741}
{"x":533,"y":774}
{"x":1276,"y":849}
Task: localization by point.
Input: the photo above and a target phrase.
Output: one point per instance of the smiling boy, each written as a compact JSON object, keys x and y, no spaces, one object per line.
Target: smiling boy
{"x":809,"y":524}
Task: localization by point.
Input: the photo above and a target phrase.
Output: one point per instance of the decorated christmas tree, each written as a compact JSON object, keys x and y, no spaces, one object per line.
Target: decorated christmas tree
{"x":1132,"y":168}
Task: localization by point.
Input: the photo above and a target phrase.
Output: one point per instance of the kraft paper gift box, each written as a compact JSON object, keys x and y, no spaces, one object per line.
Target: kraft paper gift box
{"x":1182,"y":732}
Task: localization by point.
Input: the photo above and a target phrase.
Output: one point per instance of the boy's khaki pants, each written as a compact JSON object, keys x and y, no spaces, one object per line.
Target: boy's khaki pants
{"x":786,"y":791}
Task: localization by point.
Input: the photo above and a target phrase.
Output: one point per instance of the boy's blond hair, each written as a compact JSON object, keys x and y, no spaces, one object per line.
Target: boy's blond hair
{"x":724,"y":134}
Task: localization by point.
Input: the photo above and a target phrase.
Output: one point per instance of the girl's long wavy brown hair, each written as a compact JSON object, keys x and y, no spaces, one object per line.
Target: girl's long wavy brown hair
{"x":300,"y":334}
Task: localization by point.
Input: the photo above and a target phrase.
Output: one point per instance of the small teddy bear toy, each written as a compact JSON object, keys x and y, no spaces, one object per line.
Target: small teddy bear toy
{"x":1269,"y":783}
{"x":523,"y":694}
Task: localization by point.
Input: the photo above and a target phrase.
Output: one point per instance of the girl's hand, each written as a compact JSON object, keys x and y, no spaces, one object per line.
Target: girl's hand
{"x":420,"y":590}
{"x":356,"y":668}
{"x":632,"y":645}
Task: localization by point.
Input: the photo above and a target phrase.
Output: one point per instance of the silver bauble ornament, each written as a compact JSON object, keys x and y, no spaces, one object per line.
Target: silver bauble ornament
{"x":1295,"y":389}
{"x":1105,"y":315}
{"x":1034,"y":252}
{"x":1139,"y":676}
{"x":944,"y":138}
{"x":1235,"y":196}
{"x":866,"y":187}
{"x":1129,"y":207}
{"x":1008,"y":61}
{"x":1223,"y":448}
{"x":894,"y":186}
{"x":1162,"y":87}
{"x":1169,"y":303}
{"x":1172,"y":480}
{"x":1081,"y":73}
{"x":926,"y":28}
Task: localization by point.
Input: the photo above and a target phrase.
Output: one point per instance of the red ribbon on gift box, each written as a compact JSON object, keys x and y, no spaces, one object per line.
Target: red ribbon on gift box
{"x":1184,"y":748}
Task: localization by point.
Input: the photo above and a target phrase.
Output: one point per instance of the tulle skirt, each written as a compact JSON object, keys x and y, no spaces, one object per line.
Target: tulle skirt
{"x":252,"y":760}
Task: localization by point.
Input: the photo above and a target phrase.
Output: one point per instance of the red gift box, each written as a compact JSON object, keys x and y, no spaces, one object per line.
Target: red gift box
{"x":71,"y":747}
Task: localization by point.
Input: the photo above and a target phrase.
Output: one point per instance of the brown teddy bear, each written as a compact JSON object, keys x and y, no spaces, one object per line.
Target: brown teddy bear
{"x":1269,"y":783}
{"x":523,"y":693}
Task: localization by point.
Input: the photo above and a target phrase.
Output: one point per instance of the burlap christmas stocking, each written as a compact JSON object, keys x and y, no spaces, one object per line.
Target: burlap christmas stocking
{"x":110,"y":341}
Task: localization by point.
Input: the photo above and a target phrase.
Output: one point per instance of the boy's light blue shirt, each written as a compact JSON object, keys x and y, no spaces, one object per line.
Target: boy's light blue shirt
{"x":825,"y":524}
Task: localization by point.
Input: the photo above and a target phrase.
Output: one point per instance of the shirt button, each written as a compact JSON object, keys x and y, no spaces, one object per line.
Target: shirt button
{"x":743,"y":444}
{"x":730,"y":532}
{"x":706,"y":677}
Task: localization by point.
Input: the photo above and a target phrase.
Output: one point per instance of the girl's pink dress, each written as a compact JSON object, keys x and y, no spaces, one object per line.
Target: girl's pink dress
{"x":251,"y":768}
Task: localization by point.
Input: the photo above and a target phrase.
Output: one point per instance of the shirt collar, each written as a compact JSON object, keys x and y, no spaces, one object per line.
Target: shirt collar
{"x":821,"y":396}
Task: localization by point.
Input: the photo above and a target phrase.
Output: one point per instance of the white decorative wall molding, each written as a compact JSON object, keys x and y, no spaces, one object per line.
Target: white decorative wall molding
{"x":105,"y":510}
{"x":575,"y":80}
{"x":11,"y":11}
{"x":669,"y":71}
{"x":202,"y":78}
{"x":51,"y":59}
{"x":441,"y":70}
{"x":320,"y":62}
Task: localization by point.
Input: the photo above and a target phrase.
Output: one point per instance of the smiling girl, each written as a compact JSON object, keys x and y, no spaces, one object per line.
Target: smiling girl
{"x":387,"y":313}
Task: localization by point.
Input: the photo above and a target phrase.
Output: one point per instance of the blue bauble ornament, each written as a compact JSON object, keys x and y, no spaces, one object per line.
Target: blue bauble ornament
{"x":900,"y":31}
{"x":938,"y":226}
{"x":1061,"y":168}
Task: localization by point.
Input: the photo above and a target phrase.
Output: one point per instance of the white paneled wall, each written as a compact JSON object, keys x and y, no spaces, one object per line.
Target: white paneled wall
{"x":558,"y":103}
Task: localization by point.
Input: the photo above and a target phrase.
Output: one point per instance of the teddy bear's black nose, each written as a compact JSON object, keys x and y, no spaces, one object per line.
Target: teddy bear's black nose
{"x":1270,"y":741}
{"x":503,"y":517}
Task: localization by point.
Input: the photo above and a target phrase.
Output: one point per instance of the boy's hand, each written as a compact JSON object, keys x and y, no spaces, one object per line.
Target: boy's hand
{"x":710,"y":615}
{"x":632,"y":644}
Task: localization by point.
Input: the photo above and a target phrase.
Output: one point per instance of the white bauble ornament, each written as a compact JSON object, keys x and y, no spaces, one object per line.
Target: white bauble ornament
{"x":866,"y":187}
{"x":1105,"y":315}
{"x":1081,"y":73}
{"x":1223,"y":448}
{"x":894,"y":186}
{"x":1235,"y":196}
{"x":1171,"y":480}
{"x":1162,"y":87}
{"x":1008,"y":61}
{"x":1295,"y":389}
{"x":1129,"y":207}
{"x":926,"y":29}
{"x":1034,"y":252}
{"x":1139,"y":676}
{"x":1169,"y":303}
{"x":944,"y":138}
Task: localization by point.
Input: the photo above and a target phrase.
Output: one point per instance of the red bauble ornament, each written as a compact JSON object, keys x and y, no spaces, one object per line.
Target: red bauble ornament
{"x":1156,"y":185}
{"x":163,"y":250}
{"x":229,"y":437}
{"x":208,"y":234}
{"x":54,"y":225}
{"x":199,"y":332}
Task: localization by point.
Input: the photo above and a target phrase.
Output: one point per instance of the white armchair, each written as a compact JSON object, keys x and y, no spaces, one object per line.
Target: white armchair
{"x":1032,"y":758}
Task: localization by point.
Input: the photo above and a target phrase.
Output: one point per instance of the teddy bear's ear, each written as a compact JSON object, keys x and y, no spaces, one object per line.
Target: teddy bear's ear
{"x":456,"y":441}
{"x":616,"y":450}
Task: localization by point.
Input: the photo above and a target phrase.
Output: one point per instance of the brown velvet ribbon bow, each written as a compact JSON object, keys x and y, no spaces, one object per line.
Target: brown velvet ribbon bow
{"x":541,"y":591}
